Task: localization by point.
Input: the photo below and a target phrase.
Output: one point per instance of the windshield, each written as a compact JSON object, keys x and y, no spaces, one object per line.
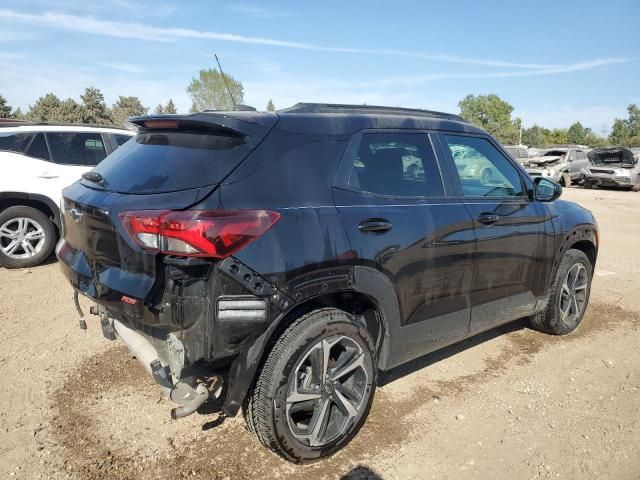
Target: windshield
{"x":167,"y":161}
{"x":554,"y":153}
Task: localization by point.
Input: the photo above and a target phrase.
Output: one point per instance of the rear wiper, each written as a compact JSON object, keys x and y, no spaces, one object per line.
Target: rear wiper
{"x":94,"y":177}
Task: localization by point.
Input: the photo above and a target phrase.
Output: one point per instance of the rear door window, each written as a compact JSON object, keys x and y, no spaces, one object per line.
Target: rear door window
{"x":166,"y":161}
{"x":396,"y":164}
{"x":38,"y":148}
{"x":15,"y":142}
{"x":76,"y":148}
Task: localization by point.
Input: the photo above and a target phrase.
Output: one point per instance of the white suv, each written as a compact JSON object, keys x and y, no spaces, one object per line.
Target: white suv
{"x":36,"y":163}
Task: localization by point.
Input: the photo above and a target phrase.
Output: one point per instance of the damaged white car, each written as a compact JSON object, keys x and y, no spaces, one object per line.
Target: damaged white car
{"x":613,"y":167}
{"x":564,"y":165}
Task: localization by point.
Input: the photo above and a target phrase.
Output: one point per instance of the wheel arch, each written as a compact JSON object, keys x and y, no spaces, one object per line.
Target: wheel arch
{"x":372,"y":299}
{"x":39,"y":202}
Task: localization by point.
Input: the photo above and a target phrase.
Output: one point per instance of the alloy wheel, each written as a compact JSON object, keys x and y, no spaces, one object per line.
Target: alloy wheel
{"x":573,"y":294}
{"x":21,"y":238}
{"x":327,"y":391}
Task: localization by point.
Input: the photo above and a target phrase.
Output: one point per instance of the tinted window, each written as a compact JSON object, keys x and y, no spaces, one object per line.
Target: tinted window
{"x":14,"y":142}
{"x":76,"y":148}
{"x":482,"y":169}
{"x":166,"y":161}
{"x":582,"y":155}
{"x":38,"y":148}
{"x":397,"y":164}
{"x":121,"y":139}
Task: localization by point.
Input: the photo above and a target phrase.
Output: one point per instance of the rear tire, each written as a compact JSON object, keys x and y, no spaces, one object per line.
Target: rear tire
{"x":306,"y":379}
{"x":27,"y":237}
{"x":588,"y":183}
{"x":569,"y":295}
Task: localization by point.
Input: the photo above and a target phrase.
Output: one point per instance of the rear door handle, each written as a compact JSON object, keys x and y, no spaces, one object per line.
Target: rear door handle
{"x":374,"y":225}
{"x":48,"y":175}
{"x":488,"y":218}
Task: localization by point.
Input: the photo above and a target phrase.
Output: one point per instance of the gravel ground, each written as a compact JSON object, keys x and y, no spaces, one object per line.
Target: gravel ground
{"x":512,"y":402}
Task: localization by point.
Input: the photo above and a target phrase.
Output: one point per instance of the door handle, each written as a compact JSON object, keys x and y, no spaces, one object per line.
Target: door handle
{"x":374,"y":225}
{"x":488,"y":218}
{"x":48,"y":175}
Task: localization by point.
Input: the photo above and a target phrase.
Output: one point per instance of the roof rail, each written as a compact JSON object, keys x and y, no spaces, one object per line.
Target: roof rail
{"x":26,"y":123}
{"x":366,"y":109}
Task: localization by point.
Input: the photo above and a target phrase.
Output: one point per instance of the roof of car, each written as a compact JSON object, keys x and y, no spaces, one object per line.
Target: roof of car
{"x":59,"y":127}
{"x":322,"y":118}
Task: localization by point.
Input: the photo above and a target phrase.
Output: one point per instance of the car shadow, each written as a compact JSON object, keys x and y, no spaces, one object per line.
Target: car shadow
{"x":429,"y":359}
{"x":361,"y":473}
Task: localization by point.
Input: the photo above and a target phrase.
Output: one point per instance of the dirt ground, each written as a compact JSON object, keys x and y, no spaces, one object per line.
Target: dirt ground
{"x":511,"y":403}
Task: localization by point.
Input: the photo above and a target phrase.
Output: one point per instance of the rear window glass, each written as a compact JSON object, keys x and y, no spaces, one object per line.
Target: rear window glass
{"x":14,"y":142}
{"x":166,"y":161}
{"x":38,"y":148}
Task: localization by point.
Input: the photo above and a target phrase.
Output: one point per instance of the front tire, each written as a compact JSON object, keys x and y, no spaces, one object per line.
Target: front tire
{"x":315,"y":389}
{"x":565,"y":180}
{"x":569,"y":295}
{"x":27,"y":237}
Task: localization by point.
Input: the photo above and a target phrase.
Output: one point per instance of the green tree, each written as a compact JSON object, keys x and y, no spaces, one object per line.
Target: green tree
{"x":45,"y":109}
{"x":209,"y":92}
{"x":170,"y":107}
{"x":159,"y":110}
{"x":620,"y":132}
{"x":577,"y":134}
{"x":492,"y":114}
{"x":18,"y":115}
{"x":5,"y":110}
{"x":270,"y":106}
{"x":557,"y":136}
{"x":126,"y":107}
{"x":534,"y":136}
{"x":94,"y":108}
{"x":69,"y":111}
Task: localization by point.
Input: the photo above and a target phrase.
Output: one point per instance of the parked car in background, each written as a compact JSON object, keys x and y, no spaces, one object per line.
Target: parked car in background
{"x":564,"y":165}
{"x":519,"y":152}
{"x":613,"y":167}
{"x":294,"y":255}
{"x":37,"y":162}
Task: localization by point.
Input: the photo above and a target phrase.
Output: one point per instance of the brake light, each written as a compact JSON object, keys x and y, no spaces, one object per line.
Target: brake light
{"x":198,"y":233}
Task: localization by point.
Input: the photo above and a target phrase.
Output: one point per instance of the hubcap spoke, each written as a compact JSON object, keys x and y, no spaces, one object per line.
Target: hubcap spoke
{"x":356,"y":363}
{"x":319,"y":424}
{"x":344,"y":404}
{"x":25,"y":236}
{"x":302,"y":397}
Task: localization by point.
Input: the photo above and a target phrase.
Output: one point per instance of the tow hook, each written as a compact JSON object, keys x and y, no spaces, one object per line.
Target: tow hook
{"x":189,"y":398}
{"x":76,"y":301}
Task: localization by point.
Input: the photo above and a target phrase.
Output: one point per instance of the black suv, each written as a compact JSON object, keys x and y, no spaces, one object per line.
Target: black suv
{"x":294,"y":255}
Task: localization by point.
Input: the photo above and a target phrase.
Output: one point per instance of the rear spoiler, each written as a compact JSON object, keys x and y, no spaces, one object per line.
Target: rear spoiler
{"x":247,"y":124}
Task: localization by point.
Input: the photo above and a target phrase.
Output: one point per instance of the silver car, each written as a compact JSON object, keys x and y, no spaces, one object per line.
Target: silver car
{"x":614,"y":167}
{"x":564,"y":165}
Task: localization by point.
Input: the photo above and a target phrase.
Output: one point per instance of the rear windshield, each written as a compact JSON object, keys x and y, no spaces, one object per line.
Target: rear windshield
{"x":167,"y":161}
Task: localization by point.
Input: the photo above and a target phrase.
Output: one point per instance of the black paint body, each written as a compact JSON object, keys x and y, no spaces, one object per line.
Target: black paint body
{"x":436,"y":277}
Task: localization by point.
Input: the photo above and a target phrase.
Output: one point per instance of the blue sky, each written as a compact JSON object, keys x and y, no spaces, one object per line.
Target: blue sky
{"x":555,"y":62}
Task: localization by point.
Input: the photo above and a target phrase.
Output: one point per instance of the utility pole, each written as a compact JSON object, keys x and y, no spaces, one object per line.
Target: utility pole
{"x":604,"y":129}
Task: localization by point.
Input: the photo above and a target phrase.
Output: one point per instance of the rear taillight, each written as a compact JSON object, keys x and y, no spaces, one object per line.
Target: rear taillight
{"x":199,"y":233}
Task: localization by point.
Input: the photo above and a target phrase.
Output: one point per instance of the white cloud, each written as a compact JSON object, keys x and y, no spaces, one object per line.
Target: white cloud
{"x":138,"y":31}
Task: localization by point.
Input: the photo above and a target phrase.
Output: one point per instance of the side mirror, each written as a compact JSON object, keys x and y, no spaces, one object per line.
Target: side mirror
{"x":545,"y":190}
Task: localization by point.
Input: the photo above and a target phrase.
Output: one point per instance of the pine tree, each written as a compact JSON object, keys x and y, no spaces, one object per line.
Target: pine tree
{"x":171,"y":107}
{"x":159,"y":109}
{"x":95,"y":109}
{"x":126,"y":107}
{"x":270,"y":106}
{"x":5,"y":110}
{"x":45,"y":109}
